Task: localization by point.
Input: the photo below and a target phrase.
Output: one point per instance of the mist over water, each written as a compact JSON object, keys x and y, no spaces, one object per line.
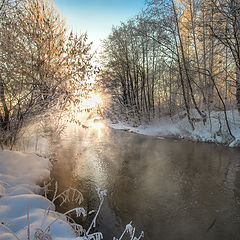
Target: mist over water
{"x":170,"y":189}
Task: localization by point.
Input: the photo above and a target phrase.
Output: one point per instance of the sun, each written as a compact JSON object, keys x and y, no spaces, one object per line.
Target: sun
{"x":92,"y":101}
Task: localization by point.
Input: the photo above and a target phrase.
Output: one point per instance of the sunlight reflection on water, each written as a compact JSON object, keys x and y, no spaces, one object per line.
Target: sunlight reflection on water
{"x":98,"y":126}
{"x":88,"y":164}
{"x":186,"y":188}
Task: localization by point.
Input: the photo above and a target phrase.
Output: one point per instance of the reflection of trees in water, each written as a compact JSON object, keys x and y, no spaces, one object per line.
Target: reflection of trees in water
{"x":189,"y":193}
{"x":203,"y":189}
{"x":172,"y":189}
{"x":236,"y":187}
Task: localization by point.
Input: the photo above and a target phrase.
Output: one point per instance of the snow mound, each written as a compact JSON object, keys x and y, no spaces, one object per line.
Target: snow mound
{"x":19,"y":201}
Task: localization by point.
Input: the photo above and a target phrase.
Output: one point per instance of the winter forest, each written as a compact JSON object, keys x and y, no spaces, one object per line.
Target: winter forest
{"x":137,"y":138}
{"x":175,"y":57}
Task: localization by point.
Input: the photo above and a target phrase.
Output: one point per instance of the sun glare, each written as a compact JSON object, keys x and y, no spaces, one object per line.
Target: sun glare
{"x":98,"y":126}
{"x":92,"y":101}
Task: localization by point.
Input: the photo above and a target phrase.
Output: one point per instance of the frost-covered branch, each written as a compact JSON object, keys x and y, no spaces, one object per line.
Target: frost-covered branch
{"x":131,"y":230}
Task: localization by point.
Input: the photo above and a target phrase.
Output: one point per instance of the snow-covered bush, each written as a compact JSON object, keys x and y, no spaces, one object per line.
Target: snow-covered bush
{"x":49,"y":222}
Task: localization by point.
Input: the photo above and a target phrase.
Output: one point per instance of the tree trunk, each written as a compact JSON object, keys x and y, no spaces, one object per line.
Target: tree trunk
{"x":185,"y":64}
{"x":5,"y":118}
{"x":238,"y":88}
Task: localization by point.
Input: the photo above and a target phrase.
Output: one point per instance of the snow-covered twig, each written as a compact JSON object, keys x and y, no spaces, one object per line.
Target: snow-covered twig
{"x":131,"y":230}
{"x":101,"y":195}
{"x":79,"y":211}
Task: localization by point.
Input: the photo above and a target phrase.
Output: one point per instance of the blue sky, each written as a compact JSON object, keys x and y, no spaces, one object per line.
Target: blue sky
{"x":97,"y":16}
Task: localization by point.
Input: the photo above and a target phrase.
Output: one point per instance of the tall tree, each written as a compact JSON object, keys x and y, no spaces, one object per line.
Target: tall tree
{"x":41,"y":66}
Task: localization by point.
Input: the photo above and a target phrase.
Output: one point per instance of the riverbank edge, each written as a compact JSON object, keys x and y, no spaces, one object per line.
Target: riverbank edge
{"x":24,"y":211}
{"x":178,"y":128}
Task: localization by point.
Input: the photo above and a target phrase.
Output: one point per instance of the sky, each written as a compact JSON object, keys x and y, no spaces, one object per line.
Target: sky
{"x":96,"y":17}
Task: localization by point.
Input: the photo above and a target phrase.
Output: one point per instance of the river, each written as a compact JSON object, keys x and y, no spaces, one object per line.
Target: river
{"x":170,"y":189}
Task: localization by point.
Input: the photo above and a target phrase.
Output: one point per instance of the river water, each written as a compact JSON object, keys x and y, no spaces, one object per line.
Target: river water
{"x":170,"y":189}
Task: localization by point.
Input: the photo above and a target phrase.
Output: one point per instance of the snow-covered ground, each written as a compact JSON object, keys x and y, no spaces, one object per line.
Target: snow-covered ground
{"x":214,"y":130}
{"x":22,"y":210}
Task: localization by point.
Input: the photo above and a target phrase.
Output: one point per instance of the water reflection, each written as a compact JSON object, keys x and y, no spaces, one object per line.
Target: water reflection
{"x":170,"y":189}
{"x":98,"y":126}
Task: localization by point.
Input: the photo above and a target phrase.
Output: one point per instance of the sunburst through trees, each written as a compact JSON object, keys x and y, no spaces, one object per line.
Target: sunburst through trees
{"x":43,"y":65}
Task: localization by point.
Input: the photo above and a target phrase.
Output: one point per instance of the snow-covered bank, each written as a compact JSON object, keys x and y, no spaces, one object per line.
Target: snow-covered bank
{"x":19,"y":175}
{"x":24,"y":213}
{"x":214,"y":129}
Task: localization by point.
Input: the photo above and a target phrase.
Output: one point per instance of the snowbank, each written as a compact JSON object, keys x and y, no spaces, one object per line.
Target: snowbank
{"x":24,"y":213}
{"x":19,"y":201}
{"x":214,"y":129}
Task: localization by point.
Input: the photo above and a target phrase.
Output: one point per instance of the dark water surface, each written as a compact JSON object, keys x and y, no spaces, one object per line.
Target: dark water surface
{"x":170,"y":189}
